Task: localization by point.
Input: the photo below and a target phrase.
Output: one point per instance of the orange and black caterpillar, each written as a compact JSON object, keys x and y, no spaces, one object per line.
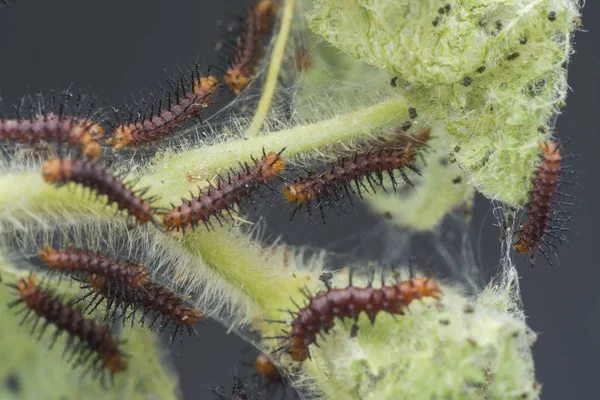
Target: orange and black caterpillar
{"x":248,"y":49}
{"x":148,"y":297}
{"x":81,"y":264}
{"x":102,"y":182}
{"x":94,"y":339}
{"x":187,"y":98}
{"x":329,"y":187}
{"x":80,"y":133}
{"x":223,"y":196}
{"x":537,"y":231}
{"x":318,"y":315}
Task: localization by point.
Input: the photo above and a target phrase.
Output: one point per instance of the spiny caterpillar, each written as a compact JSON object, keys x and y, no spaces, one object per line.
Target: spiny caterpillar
{"x":318,"y":315}
{"x":542,"y":197}
{"x":82,"y":264}
{"x":189,"y":96}
{"x":102,"y":182}
{"x":248,"y":49}
{"x":225,"y":194}
{"x":96,"y":338}
{"x":335,"y":183}
{"x":149,"y":297}
{"x":80,"y":133}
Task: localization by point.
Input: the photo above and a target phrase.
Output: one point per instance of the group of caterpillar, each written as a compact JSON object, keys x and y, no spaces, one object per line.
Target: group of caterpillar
{"x":326,"y":188}
{"x":189,"y":95}
{"x":125,"y":287}
{"x":124,"y":284}
{"x":317,"y":316}
{"x":186,"y":99}
{"x":538,"y":231}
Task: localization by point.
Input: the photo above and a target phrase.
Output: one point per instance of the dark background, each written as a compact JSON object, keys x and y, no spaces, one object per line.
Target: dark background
{"x":119,"y":47}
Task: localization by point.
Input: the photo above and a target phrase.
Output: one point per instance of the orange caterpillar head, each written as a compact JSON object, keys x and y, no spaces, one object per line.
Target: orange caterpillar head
{"x":47,"y":255}
{"x":28,"y":290}
{"x":114,"y":361}
{"x":550,"y":151}
{"x":206,"y":86}
{"x":423,"y":287}
{"x":52,"y":170}
{"x":413,"y":143}
{"x":297,"y":349}
{"x":142,"y":274}
{"x":192,"y":316}
{"x":266,"y":368}
{"x":274,"y":164}
{"x":266,"y":8}
{"x":236,"y":80}
{"x":294,"y":194}
{"x":92,"y":128}
{"x":121,"y":137}
{"x":85,"y":134}
{"x":91,"y":149}
{"x":521,"y":246}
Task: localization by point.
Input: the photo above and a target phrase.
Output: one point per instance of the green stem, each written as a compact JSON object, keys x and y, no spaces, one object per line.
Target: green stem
{"x":274,"y":67}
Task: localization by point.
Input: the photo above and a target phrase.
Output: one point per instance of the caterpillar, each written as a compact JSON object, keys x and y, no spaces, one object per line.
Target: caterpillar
{"x":80,"y":133}
{"x":101,"y":182}
{"x":189,"y":96}
{"x":248,"y":50}
{"x":318,"y":315}
{"x":225,"y":194}
{"x":82,"y":264}
{"x":150,"y":298}
{"x":330,"y":186}
{"x":536,"y":232}
{"x":65,"y":317}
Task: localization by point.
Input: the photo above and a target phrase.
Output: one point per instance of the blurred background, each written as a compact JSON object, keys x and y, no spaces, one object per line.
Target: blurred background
{"x":118,"y":48}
